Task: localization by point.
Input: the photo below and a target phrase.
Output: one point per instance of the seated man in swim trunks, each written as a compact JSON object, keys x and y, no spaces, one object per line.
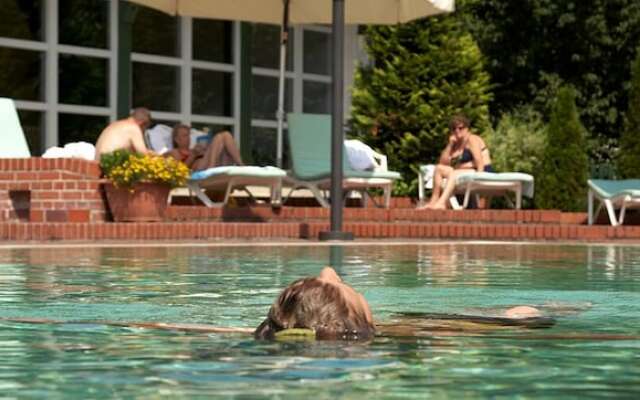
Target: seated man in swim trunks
{"x":465,"y":151}
{"x":221,"y":151}
{"x":125,"y":134}
{"x":333,"y":310}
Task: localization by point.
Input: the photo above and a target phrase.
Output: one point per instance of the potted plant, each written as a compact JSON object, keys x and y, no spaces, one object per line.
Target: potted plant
{"x":139,"y":184}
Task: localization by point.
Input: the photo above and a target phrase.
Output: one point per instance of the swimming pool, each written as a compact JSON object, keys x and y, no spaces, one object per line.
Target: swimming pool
{"x":592,"y":289}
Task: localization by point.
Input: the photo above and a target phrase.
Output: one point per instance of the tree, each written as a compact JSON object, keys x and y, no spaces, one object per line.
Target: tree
{"x":629,"y":158}
{"x":531,"y":44}
{"x":421,"y":75}
{"x":562,"y":178}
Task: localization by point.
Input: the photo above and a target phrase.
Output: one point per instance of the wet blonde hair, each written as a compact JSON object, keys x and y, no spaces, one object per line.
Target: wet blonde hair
{"x":311,"y":303}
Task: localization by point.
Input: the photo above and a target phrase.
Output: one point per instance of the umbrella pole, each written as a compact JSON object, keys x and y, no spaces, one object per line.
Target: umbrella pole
{"x":337,"y":133}
{"x":284,"y":39}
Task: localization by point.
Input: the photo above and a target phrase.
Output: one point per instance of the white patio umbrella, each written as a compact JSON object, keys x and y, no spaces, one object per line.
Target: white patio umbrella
{"x":337,"y":12}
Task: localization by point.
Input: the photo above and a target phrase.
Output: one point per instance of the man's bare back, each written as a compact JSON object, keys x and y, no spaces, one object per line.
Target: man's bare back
{"x":125,"y":134}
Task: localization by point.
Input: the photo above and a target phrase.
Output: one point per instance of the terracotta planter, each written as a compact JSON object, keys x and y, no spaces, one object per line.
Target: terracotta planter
{"x":146,"y":202}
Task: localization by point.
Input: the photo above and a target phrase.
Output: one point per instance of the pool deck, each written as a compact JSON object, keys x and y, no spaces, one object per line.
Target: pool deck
{"x":43,"y":200}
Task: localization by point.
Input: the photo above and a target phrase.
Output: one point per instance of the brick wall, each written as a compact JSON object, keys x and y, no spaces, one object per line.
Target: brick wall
{"x":50,"y":190}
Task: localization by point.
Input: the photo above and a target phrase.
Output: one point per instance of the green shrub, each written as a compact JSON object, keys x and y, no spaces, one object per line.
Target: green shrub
{"x":629,"y":156}
{"x":517,"y":143}
{"x":561,"y":179}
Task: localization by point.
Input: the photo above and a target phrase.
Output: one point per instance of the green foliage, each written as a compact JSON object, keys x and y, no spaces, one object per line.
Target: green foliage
{"x":561,"y":180}
{"x":629,"y":158}
{"x":532,"y":45}
{"x":518,"y":142}
{"x":111,"y":160}
{"x":422,"y":74}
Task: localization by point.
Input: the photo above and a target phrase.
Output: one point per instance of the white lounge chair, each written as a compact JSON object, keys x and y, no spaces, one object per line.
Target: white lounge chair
{"x":481,"y":183}
{"x":310,"y":145}
{"x":495,"y":184}
{"x":228,"y":178}
{"x":12,"y":141}
{"x":613,"y":194}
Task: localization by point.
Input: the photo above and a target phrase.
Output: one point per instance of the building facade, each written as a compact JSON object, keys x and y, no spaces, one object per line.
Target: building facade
{"x":71,"y":66}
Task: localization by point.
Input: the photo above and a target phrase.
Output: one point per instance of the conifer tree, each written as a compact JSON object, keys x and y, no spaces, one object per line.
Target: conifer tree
{"x":629,"y":157}
{"x":562,"y":178}
{"x":422,"y":73}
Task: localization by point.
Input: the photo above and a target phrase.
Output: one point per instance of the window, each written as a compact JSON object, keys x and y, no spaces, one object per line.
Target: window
{"x":21,"y":19}
{"x":317,"y":48}
{"x":212,"y":40}
{"x":264,"y":97}
{"x":80,"y":128}
{"x":155,"y":33}
{"x":83,"y":23}
{"x":307,"y":85}
{"x":212,"y":93}
{"x":156,"y":87}
{"x":21,"y":74}
{"x":83,"y":80}
{"x":265,"y":49}
{"x":317,"y":97}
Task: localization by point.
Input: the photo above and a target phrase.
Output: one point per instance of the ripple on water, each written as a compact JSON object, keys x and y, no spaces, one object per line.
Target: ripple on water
{"x":590,"y":289}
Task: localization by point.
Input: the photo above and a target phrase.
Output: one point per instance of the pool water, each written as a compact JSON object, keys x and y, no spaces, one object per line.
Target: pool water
{"x":592,"y":290}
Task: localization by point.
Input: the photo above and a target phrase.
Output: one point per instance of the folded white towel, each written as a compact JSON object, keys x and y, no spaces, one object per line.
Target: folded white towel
{"x":83,"y":150}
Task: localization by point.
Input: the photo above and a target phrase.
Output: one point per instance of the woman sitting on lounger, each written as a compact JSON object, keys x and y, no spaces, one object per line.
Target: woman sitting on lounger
{"x":464,"y":152}
{"x":221,"y":151}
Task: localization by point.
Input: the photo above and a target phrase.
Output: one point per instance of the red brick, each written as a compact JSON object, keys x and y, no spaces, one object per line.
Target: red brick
{"x":78,"y":216}
{"x":55,"y":216}
{"x":71,"y":195}
{"x":45,"y":195}
{"x":47,"y":175}
{"x":36,"y":215}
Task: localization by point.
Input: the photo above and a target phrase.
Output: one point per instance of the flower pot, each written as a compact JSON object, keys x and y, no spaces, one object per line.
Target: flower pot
{"x":143,"y":202}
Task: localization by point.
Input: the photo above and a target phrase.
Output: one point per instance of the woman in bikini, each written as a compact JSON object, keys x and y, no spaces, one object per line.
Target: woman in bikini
{"x":464,"y":152}
{"x":221,"y":151}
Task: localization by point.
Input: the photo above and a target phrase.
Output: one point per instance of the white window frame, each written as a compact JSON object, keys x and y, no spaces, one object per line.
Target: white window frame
{"x":52,"y":49}
{"x":297,"y":75}
{"x":186,"y":64}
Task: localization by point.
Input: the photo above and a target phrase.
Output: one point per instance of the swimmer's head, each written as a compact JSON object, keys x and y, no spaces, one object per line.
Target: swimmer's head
{"x":324,"y":304}
{"x":522,"y":312}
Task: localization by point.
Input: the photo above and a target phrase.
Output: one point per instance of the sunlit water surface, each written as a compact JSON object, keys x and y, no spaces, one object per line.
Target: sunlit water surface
{"x":234,"y":286}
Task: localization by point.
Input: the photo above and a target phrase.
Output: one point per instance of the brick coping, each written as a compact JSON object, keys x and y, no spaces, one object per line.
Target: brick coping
{"x":163,"y":231}
{"x":299,"y":243}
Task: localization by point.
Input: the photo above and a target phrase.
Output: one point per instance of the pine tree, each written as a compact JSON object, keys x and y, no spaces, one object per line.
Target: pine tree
{"x":421,"y":75}
{"x":562,"y":178}
{"x":629,"y":157}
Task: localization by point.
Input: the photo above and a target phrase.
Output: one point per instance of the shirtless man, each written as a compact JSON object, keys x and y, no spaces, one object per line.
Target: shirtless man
{"x":125,"y":134}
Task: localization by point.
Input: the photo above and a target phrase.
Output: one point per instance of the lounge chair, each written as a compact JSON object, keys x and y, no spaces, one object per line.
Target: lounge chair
{"x":495,"y":184}
{"x":310,"y":149}
{"x":612,"y":194}
{"x":12,"y":141}
{"x":482,"y":183}
{"x":228,"y":178}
